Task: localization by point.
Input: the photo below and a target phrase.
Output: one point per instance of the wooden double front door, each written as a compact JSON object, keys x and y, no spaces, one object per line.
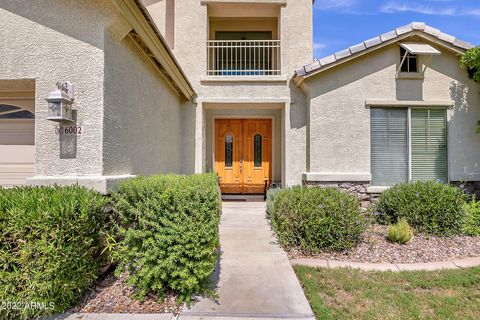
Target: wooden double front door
{"x":243,"y":154}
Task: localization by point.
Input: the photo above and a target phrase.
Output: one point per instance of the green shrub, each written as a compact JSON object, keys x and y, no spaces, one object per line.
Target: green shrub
{"x":169,"y":230}
{"x":471,"y":224}
{"x":317,"y":218}
{"x":401,"y":232}
{"x":470,"y":61}
{"x":271,"y":194}
{"x":429,"y":207}
{"x":50,"y":241}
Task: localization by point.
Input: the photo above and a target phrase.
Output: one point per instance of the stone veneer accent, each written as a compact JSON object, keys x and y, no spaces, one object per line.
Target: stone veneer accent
{"x":360,"y":189}
{"x":470,"y":187}
{"x":357,"y":188}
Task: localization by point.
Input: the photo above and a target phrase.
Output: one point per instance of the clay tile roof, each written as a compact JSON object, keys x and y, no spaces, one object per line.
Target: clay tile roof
{"x":319,"y":64}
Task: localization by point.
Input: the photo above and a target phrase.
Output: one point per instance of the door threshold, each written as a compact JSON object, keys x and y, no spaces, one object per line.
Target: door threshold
{"x":243,"y":197}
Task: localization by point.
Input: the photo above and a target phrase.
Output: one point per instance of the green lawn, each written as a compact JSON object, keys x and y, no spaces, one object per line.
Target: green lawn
{"x":354,"y":294}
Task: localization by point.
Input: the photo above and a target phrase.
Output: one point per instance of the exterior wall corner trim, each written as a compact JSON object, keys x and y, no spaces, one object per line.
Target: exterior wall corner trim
{"x":335,"y":177}
{"x":408,"y":103}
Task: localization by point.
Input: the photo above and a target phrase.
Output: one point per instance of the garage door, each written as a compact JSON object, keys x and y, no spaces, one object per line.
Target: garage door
{"x":17,"y":145}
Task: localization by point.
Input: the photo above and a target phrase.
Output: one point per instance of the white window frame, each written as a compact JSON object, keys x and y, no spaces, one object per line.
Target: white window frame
{"x":409,"y":139}
{"x":409,"y":143}
{"x":406,"y":59}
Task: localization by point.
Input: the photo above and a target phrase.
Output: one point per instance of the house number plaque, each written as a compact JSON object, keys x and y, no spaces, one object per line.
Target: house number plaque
{"x":77,"y":130}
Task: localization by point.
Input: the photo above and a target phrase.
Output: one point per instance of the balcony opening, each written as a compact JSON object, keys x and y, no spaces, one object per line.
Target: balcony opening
{"x":243,"y":47}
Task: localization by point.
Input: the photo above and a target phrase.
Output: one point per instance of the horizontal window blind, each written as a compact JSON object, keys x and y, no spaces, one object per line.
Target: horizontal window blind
{"x":429,"y":145}
{"x":389,"y":146}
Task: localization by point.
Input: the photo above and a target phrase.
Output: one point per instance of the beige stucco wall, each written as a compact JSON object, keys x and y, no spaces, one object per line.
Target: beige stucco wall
{"x":131,"y":119}
{"x":192,"y":31}
{"x":52,"y":41}
{"x":295,"y":32}
{"x":132,"y":122}
{"x":158,"y":11}
{"x":162,"y":12}
{"x":142,"y":114}
{"x":296,"y":136}
{"x":340,"y":122}
{"x":448,"y":81}
{"x":244,"y":24}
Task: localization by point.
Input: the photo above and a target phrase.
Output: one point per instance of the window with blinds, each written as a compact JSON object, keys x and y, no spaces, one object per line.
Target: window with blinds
{"x":429,"y":145}
{"x":389,"y":146}
{"x":389,"y":132}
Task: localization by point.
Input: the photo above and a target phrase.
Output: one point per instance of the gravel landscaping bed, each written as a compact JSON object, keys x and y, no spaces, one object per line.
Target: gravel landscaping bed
{"x":376,"y":248}
{"x":111,"y":295}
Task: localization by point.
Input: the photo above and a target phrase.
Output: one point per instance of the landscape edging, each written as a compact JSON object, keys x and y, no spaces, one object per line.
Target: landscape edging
{"x":367,"y":266}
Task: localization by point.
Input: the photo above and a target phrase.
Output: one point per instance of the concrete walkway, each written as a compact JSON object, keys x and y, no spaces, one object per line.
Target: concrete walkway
{"x":111,"y":316}
{"x":429,"y":266}
{"x":254,"y":279}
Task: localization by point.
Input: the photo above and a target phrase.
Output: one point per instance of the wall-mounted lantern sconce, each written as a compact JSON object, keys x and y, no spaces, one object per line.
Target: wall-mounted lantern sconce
{"x":60,"y":103}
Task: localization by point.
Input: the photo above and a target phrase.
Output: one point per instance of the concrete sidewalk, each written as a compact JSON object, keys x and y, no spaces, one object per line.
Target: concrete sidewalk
{"x":423,"y":266}
{"x":254,"y":278}
{"x":111,"y":316}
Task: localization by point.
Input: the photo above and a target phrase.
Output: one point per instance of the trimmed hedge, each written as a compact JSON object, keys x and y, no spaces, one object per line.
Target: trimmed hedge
{"x":471,"y":225}
{"x":50,"y":243}
{"x":169,"y":230}
{"x":271,"y":195}
{"x":317,"y":218}
{"x":429,"y":207}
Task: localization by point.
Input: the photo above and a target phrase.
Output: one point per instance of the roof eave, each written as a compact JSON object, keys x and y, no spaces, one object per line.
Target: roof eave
{"x":137,"y":16}
{"x":299,"y":79}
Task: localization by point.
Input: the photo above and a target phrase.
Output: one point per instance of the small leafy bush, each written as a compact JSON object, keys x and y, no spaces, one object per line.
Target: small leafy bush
{"x":50,"y":243}
{"x":271,"y":194}
{"x":401,"y":232}
{"x":169,"y":233}
{"x":470,"y":61}
{"x":429,"y":207}
{"x":471,"y":224}
{"x":317,"y":218}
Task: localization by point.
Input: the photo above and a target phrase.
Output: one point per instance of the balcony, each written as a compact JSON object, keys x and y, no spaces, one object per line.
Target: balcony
{"x":243,"y":58}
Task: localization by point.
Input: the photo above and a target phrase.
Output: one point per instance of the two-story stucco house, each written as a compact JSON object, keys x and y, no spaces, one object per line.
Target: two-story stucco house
{"x":191,"y":86}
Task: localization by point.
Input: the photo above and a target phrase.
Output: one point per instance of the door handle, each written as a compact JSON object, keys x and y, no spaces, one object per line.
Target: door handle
{"x":241,"y":166}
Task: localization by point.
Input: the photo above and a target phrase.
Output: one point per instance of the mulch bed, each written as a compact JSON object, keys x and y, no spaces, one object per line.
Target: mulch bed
{"x":112,"y":295}
{"x":376,"y":248}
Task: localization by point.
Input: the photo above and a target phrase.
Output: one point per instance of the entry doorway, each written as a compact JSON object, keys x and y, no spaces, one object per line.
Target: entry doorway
{"x":243,"y":155}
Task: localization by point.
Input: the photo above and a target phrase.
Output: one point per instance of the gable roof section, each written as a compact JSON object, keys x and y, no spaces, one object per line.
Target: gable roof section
{"x":138,"y":17}
{"x":414,"y":28}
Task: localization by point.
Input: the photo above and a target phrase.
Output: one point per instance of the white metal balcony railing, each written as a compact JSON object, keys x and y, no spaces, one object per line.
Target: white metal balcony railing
{"x":243,"y":57}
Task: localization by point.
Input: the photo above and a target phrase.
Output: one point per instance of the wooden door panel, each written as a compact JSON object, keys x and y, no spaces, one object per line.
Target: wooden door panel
{"x":256,"y":174}
{"x":227,"y":159}
{"x":235,"y":162}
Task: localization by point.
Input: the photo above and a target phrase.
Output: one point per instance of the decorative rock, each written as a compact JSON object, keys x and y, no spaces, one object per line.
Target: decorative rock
{"x":375,"y":248}
{"x":365,"y":204}
{"x":363,"y":197}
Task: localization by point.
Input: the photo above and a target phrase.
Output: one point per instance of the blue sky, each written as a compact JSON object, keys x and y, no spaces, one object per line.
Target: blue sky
{"x":338,"y":24}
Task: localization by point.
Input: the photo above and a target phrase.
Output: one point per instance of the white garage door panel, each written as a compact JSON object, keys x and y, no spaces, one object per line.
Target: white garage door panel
{"x":17,"y":155}
{"x":15,"y":176}
{"x":17,"y":162}
{"x":19,"y":132}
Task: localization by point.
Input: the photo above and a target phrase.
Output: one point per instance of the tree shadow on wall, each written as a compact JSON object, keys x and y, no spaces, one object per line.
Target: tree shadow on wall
{"x":463,"y":140}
